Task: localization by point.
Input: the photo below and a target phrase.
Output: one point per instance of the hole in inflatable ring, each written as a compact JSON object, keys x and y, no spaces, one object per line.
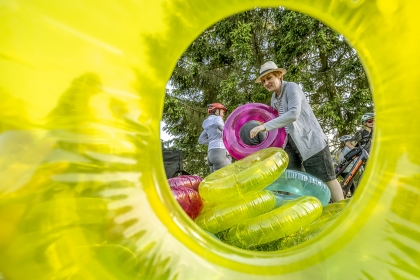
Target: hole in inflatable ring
{"x":245,"y":130}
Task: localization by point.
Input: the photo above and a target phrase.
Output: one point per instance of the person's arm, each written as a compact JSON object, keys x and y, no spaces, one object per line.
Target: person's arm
{"x":220,"y":123}
{"x":203,"y":139}
{"x":294,"y":95}
{"x":349,"y":145}
{"x":355,"y":140}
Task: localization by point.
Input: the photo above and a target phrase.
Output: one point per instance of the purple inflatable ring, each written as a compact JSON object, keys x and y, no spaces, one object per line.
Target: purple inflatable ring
{"x":243,"y":114}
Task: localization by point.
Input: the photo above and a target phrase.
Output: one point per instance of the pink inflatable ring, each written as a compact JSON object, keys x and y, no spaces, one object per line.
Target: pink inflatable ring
{"x":243,"y":114}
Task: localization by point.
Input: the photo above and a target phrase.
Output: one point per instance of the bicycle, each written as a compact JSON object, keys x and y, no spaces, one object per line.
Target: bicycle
{"x":358,"y":156}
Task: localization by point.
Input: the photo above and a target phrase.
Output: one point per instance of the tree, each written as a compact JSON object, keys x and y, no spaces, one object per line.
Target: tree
{"x":221,"y":65}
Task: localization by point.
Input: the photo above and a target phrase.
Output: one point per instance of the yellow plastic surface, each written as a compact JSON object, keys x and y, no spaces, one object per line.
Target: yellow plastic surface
{"x":83,"y":192}
{"x":329,"y":214}
{"x":225,"y":215}
{"x":248,"y":175}
{"x":277,"y":223}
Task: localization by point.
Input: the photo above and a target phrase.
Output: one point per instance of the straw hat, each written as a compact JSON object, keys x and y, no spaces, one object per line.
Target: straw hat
{"x":269,"y":67}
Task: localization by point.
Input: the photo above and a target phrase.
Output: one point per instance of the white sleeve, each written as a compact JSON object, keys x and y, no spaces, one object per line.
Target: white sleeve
{"x":294,"y":95}
{"x":203,"y":139}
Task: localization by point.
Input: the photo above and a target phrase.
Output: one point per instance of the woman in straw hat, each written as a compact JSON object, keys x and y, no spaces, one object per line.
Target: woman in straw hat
{"x":306,"y":142}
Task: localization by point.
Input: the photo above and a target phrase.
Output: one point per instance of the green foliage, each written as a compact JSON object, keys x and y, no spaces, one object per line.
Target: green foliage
{"x":221,"y":65}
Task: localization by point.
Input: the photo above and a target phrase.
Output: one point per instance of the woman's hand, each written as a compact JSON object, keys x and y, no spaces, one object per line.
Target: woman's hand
{"x":256,"y":130}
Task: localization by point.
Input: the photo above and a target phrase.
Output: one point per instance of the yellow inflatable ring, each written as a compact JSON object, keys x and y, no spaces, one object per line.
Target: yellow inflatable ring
{"x":86,"y":196}
{"x":225,"y":215}
{"x":329,"y":213}
{"x":277,"y":223}
{"x":248,"y":175}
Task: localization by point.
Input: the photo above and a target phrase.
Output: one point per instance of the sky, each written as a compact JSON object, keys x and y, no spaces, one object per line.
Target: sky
{"x":163,"y":135}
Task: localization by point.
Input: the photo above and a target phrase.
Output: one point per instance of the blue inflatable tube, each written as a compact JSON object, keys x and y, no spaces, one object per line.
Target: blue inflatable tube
{"x":300,"y":184}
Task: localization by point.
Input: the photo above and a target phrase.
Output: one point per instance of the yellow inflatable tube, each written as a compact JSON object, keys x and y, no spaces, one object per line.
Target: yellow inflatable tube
{"x":103,"y":150}
{"x":329,"y":214}
{"x":248,"y":175}
{"x":280,"y":222}
{"x":228,"y":214}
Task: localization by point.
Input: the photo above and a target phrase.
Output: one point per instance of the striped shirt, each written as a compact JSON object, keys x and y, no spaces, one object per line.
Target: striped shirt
{"x":279,"y":106}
